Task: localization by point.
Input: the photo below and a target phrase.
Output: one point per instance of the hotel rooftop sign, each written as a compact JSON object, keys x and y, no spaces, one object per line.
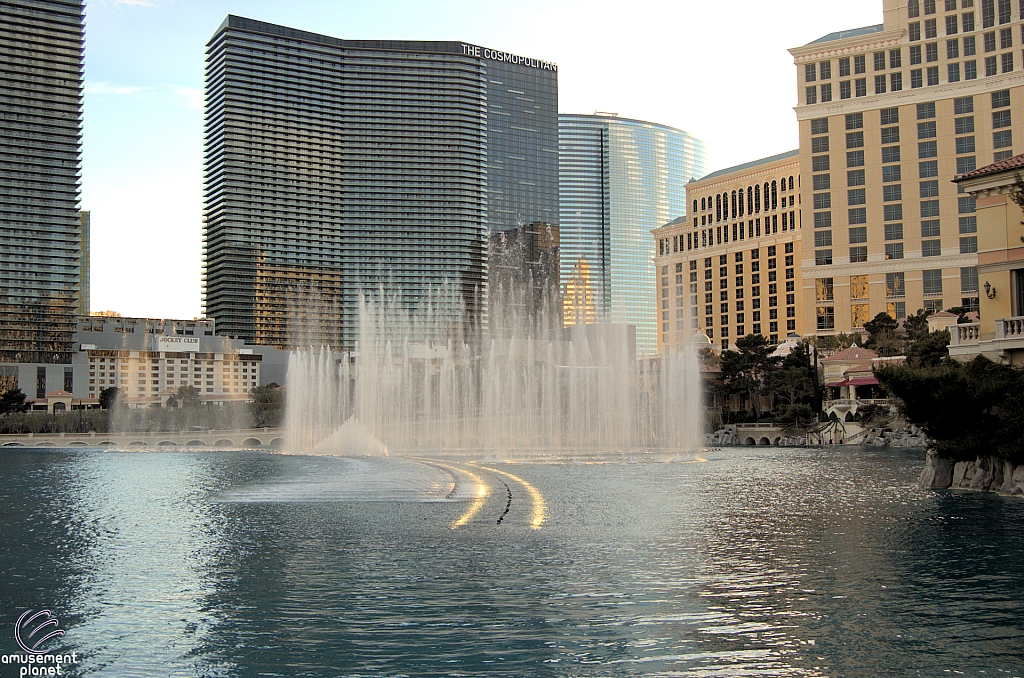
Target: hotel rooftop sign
{"x":507,"y":57}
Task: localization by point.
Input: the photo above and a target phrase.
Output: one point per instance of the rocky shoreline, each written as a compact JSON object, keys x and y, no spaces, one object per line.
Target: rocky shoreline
{"x":984,"y":474}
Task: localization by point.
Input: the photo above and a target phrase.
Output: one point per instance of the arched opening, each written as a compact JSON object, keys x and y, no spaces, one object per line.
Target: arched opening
{"x":764,"y":441}
{"x":252,"y":442}
{"x":137,"y":444}
{"x":749,"y":441}
{"x":277,"y":443}
{"x":223,"y":443}
{"x":59,"y":407}
{"x":196,"y":443}
{"x":167,"y":443}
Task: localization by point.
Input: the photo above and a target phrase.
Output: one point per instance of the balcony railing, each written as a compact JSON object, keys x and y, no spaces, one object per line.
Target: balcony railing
{"x":964,"y":335}
{"x":1010,"y":328}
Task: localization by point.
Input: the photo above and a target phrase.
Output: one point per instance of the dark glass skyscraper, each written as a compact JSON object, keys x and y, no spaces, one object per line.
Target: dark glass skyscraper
{"x":335,"y":166}
{"x":41,"y":45}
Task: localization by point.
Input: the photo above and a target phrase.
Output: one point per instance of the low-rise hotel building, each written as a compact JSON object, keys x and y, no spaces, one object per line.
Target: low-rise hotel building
{"x":731,"y":267}
{"x":888,"y":115}
{"x":999,"y":334}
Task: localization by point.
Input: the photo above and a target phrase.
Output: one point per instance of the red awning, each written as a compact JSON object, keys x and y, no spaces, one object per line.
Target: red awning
{"x":837,"y":384}
{"x":862,"y":381}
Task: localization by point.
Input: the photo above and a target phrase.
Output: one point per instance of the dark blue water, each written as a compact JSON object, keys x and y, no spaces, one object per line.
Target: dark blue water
{"x":754,"y":563}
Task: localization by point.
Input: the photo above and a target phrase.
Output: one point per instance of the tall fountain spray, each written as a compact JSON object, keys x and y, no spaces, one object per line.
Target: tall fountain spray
{"x":526,"y":384}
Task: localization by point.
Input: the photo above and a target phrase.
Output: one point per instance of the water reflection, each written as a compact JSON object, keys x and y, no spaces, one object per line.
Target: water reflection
{"x":757,"y":562}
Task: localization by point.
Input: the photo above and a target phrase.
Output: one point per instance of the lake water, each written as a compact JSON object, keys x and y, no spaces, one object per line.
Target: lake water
{"x":753,"y":562}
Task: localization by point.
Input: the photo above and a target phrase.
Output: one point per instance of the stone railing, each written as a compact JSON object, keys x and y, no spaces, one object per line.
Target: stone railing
{"x":964,"y":335}
{"x":1010,"y":328}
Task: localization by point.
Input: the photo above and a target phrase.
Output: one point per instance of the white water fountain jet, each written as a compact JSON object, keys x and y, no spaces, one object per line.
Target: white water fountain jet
{"x":426,"y":380}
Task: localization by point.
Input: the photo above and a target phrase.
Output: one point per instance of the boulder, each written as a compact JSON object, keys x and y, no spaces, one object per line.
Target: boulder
{"x":937,"y":473}
{"x":1018,"y":475}
{"x":1007,"y":483}
{"x":959,"y":472}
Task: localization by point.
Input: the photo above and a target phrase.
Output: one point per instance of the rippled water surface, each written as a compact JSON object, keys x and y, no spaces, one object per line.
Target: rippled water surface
{"x":755,"y":562}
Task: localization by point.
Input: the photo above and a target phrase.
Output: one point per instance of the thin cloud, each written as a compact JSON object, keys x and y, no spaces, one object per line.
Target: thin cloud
{"x":104,"y":88}
{"x":138,"y":3}
{"x":193,"y":97}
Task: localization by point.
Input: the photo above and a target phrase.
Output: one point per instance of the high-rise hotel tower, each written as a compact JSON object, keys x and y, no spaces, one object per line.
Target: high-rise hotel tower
{"x":619,"y":179}
{"x":41,"y":46}
{"x":888,"y":115}
{"x":335,"y":166}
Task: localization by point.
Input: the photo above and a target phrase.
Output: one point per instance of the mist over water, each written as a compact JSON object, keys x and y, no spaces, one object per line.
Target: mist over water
{"x":428,"y":379}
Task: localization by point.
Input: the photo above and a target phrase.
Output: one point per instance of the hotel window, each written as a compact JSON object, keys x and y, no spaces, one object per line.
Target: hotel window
{"x":823,"y":257}
{"x":915,"y":55}
{"x":858,"y":215}
{"x":810,"y":73}
{"x":931,"y":248}
{"x":855,"y":178}
{"x":951,"y":24}
{"x":858,"y":235}
{"x":859,"y":287}
{"x":915,"y":34}
{"x":894,"y":231}
{"x":844,"y":89}
{"x":967,"y":21}
{"x":953,"y":49}
{"x":988,"y":13}
{"x":844,"y":67}
{"x":970,"y":46}
{"x":819,"y":126}
{"x":991,"y":66}
{"x":858,"y":254}
{"x":913,"y":8}
{"x":892,"y":212}
{"x":895,"y":58}
{"x":968,"y":163}
{"x":930,"y":228}
{"x":826,"y":318}
{"x":1007,"y":62}
{"x":855,"y":139}
{"x":1004,"y":11}
{"x":856,"y":196}
{"x":858,"y":315}
{"x":891,"y":173}
{"x":894,"y":286}
{"x":855,"y":121}
{"x":968,"y":280}
{"x":929,"y":6}
{"x":879,"y":58}
{"x":825,"y":70}
{"x":928,"y":169}
{"x":927,"y":149}
{"x":822,"y":182}
{"x":931,"y":31}
{"x":1005,"y":38}
{"x":823,"y":238}
{"x":970,"y":70}
{"x":1002,"y":139}
{"x":990,"y":41}
{"x":953,"y":72}
{"x":890,"y":135}
{"x":823,"y":288}
{"x":932,"y":74}
{"x":929,"y":208}
{"x":969,"y":245}
{"x":811,"y":95}
{"x":968,"y":225}
{"x":860,"y":87}
{"x":821,"y":220}
{"x":965,"y":145}
{"x":880,"y":86}
{"x":1001,"y":99}
{"x":859,"y":64}
{"x":890,"y":154}
{"x":916,"y":78}
{"x":855,"y":159}
{"x":892,"y":193}
{"x":932,"y":280}
{"x":929,"y":189}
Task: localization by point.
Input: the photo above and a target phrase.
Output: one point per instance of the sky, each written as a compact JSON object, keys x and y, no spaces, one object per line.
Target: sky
{"x":719,"y":70}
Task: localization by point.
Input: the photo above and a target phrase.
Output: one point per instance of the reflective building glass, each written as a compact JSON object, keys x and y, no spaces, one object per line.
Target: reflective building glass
{"x":619,"y":179}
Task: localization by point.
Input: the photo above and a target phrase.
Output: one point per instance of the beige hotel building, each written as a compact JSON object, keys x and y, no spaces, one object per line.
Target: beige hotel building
{"x":888,"y":115}
{"x":732,"y":266}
